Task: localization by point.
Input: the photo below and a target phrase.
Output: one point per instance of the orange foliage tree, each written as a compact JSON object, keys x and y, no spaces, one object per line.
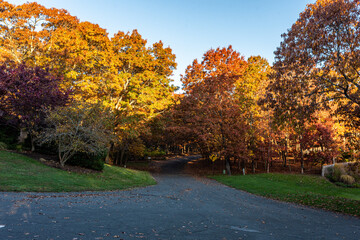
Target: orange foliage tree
{"x":317,"y":67}
{"x":211,"y":112}
{"x":318,"y":61}
{"x":27,"y":29}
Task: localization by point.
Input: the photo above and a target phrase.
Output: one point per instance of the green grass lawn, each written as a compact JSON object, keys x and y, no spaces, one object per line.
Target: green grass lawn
{"x":21,"y":173}
{"x":303,"y":189}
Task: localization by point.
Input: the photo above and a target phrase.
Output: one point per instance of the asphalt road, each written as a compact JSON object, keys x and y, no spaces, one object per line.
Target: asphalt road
{"x":178,"y":207}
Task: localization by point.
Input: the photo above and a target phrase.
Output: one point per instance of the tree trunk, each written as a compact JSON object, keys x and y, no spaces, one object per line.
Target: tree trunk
{"x":107,"y":159}
{"x":286,"y":150}
{"x":302,"y":159}
{"x":117,"y":158}
{"x":228,"y":166}
{"x":61,"y":159}
{"x":126,"y":159}
{"x":122,"y":150}
{"x":253,"y":166}
{"x":32,"y":143}
{"x":269,"y":158}
{"x":265,"y":164}
{"x":23,"y":135}
{"x":284,"y":158}
{"x":60,"y":156}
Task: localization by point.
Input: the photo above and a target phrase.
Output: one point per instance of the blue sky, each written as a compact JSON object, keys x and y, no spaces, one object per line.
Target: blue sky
{"x":191,"y":27}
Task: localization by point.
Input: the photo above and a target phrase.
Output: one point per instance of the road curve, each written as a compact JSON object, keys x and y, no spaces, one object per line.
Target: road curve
{"x":178,"y":207}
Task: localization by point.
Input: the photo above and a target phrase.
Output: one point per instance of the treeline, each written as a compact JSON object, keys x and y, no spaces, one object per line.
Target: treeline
{"x":66,"y":82}
{"x":305,"y":108}
{"x":225,"y":112}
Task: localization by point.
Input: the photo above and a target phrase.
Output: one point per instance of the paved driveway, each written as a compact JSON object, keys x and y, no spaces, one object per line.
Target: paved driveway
{"x":179,"y":207}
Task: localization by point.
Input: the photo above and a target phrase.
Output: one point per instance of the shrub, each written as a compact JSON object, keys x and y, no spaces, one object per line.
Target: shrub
{"x":347,"y":179}
{"x":9,"y":136}
{"x":338,"y":170}
{"x":47,"y":148}
{"x":354,"y":170}
{"x":3,"y":146}
{"x":137,"y":149}
{"x":90,"y":161}
{"x":80,"y":127}
{"x":154,"y":153}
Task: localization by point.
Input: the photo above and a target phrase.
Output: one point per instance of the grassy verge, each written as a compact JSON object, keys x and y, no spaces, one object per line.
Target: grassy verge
{"x":303,"y":189}
{"x":21,"y":173}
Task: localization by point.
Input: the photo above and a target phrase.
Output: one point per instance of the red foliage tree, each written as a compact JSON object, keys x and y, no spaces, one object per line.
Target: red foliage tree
{"x":210,"y":114}
{"x":317,"y":63}
{"x":319,"y":143}
{"x":27,"y":93}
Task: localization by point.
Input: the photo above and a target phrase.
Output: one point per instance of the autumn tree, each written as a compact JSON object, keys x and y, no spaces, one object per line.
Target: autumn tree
{"x":321,"y":52}
{"x":142,"y":75}
{"x":82,"y":55}
{"x":210,"y":112}
{"x":139,"y":87}
{"x":320,"y":143}
{"x":317,"y":65}
{"x":78,"y":52}
{"x":250,"y":90}
{"x":27,"y":93}
{"x":78,"y":128}
{"x":26,"y":30}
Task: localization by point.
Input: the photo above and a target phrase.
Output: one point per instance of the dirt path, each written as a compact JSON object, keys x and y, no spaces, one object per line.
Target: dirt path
{"x":178,"y":207}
